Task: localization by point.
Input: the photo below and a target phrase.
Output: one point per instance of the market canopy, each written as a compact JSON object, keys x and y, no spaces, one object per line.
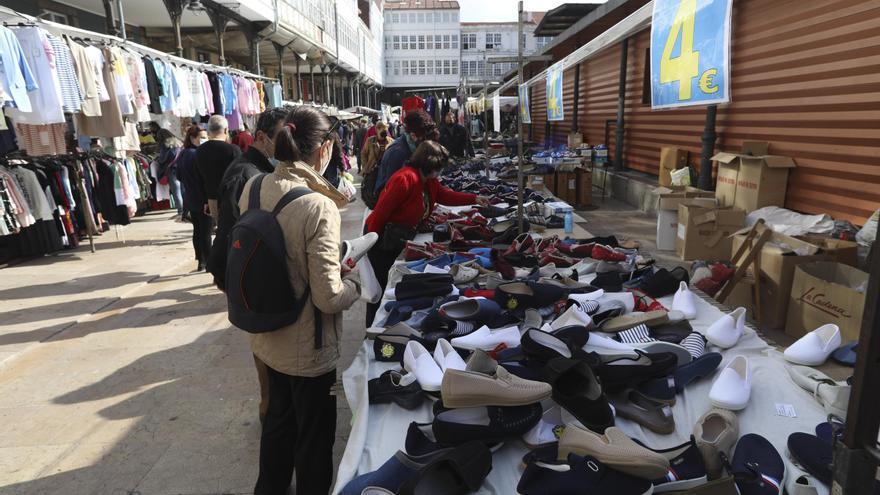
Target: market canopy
{"x":363,"y":110}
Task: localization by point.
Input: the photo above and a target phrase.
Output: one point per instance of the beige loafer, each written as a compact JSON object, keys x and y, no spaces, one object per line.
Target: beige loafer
{"x":484,"y":383}
{"x":615,"y":449}
{"x":716,"y":432}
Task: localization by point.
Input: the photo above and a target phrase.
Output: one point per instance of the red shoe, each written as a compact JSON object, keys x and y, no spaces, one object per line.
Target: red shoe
{"x":645,"y":302}
{"x":415,"y":251}
{"x":523,"y":244}
{"x":476,"y":233}
{"x":480,"y":219}
{"x":502,"y":266}
{"x":605,"y":253}
{"x":487,"y":293}
{"x":721,"y":273}
{"x":577,"y":250}
{"x":709,"y":286}
{"x":556,"y":257}
{"x":549,"y":242}
{"x":454,"y":233}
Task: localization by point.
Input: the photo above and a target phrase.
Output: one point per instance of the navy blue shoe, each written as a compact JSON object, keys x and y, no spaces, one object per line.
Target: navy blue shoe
{"x":420,"y":440}
{"x":576,"y":335}
{"x":392,"y":386}
{"x":701,"y":367}
{"x":522,"y":295}
{"x":576,"y":388}
{"x":523,"y":371}
{"x":659,"y":389}
{"x":757,"y":466}
{"x":540,"y":347}
{"x":486,"y":424}
{"x":813,"y":454}
{"x":578,"y":476}
{"x":477,"y":309}
{"x":391,"y":475}
{"x":686,"y":468}
{"x":846,"y":354}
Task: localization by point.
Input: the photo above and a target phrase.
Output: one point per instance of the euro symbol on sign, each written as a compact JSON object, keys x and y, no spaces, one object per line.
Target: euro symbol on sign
{"x":707,"y":81}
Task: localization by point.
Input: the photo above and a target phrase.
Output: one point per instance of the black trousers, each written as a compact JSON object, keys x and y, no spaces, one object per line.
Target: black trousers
{"x":202,"y":226}
{"x":382,"y":262}
{"x":298,"y":433}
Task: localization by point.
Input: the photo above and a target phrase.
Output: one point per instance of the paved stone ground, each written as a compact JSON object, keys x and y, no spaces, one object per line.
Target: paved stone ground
{"x":119,"y":373}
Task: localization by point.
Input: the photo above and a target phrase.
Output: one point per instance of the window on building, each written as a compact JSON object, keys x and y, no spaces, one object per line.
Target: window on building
{"x":469,"y":41}
{"x":51,"y":15}
{"x":481,"y":68}
{"x":454,"y":67}
{"x":493,"y":41}
{"x":397,"y":67}
{"x":404,"y":43}
{"x":421,"y":67}
{"x":444,"y":17}
{"x":455,"y":42}
{"x":412,"y":17}
{"x":430,"y":67}
{"x":453,"y":17}
{"x":430,"y":42}
{"x":396,"y":42}
{"x":446,"y":42}
{"x":387,"y":43}
{"x":429,"y":17}
{"x":421,"y":42}
{"x":420,"y":17}
{"x":405,"y":64}
{"x":387,"y":16}
{"x":395,"y":18}
{"x":387,"y":67}
{"x":542,"y":41}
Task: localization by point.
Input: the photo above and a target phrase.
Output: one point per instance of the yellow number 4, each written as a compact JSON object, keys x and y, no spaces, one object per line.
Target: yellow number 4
{"x":687,"y":65}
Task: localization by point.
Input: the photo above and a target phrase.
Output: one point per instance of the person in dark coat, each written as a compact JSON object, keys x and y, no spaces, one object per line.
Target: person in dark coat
{"x":195,"y":201}
{"x":455,"y":137}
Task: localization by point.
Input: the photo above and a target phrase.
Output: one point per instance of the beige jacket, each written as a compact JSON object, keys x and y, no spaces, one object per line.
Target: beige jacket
{"x":311,"y":226}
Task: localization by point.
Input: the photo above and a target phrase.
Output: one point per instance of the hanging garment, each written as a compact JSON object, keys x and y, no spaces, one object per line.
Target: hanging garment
{"x":97,"y":60}
{"x":46,"y":101}
{"x":85,"y":74}
{"x":31,"y":191}
{"x":39,"y":140}
{"x":124,"y":90}
{"x":71,"y":92}
{"x":410,"y":104}
{"x":109,"y":124}
{"x":215,"y":81}
{"x":16,"y":78}
{"x":155,"y":90}
{"x":209,"y":93}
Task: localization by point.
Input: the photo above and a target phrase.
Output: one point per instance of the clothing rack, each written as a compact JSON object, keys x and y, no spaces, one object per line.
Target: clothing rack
{"x":113,"y":40}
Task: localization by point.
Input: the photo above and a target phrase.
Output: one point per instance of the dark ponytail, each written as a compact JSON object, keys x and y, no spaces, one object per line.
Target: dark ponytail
{"x":304,"y":131}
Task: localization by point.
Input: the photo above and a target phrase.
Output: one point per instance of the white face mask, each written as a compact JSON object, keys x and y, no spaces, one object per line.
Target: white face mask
{"x":326,"y":164}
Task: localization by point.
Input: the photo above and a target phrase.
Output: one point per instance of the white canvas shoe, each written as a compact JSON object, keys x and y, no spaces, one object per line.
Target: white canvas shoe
{"x":733,"y":387}
{"x":625,"y":297}
{"x":814,"y":348}
{"x":446,"y":357}
{"x":584,"y":267}
{"x":486,"y":339}
{"x":418,"y":361}
{"x":353,"y":250}
{"x":550,"y":427}
{"x":728,"y":329}
{"x":574,"y":315}
{"x":600,"y":344}
{"x":684,"y":301}
{"x":589,"y":296}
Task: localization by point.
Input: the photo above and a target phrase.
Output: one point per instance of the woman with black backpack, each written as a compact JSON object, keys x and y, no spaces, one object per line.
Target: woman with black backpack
{"x":300,"y":425}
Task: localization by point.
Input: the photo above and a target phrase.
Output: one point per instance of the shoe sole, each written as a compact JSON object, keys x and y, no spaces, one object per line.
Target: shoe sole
{"x":675,"y":486}
{"x":729,"y":407}
{"x":483,"y":401}
{"x":804,"y":363}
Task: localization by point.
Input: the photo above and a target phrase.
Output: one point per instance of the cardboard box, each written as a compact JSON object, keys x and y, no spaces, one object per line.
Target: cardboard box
{"x":827,"y":292}
{"x":752,"y":179}
{"x":667,"y":212}
{"x":671,"y":159}
{"x":584,"y":188}
{"x":846,"y":252}
{"x":566,"y":186}
{"x":541,"y":182}
{"x":779,"y":257}
{"x":704,"y":230}
{"x":575,"y":139}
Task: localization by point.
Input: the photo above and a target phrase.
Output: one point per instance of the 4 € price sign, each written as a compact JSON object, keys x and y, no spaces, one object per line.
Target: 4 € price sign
{"x":690,"y":52}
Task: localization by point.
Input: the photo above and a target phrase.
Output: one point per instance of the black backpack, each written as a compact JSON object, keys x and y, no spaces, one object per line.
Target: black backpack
{"x":258,"y":291}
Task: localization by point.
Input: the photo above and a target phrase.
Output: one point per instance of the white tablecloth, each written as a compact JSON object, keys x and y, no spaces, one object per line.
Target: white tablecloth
{"x":379,"y":431}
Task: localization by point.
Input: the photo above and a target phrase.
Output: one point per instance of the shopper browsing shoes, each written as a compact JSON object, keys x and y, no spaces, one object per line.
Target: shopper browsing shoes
{"x":410,"y":197}
{"x":299,"y":429}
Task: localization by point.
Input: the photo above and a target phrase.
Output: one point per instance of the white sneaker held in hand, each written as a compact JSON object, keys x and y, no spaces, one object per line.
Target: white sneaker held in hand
{"x":371,"y":291}
{"x":733,"y":387}
{"x":353,"y":250}
{"x":814,"y":348}
{"x":728,"y":329}
{"x":684,"y":301}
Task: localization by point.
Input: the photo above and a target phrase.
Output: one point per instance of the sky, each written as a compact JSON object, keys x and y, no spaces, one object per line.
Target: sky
{"x":505,"y":10}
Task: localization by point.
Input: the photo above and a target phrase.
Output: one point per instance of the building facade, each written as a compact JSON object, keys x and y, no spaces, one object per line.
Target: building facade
{"x":481,"y":42}
{"x":421,"y":44}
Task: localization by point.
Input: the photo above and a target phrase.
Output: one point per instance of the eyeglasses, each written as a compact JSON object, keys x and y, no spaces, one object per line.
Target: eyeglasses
{"x":333,"y":128}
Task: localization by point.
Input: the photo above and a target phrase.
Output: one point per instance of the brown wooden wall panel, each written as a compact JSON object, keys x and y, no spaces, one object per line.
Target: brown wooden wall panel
{"x":805,"y":76}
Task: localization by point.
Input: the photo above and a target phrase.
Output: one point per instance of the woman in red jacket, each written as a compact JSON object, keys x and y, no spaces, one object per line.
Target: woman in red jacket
{"x":408,"y":198}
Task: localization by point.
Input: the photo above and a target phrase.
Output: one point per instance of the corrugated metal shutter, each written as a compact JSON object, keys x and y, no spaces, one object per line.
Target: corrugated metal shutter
{"x":805,"y":77}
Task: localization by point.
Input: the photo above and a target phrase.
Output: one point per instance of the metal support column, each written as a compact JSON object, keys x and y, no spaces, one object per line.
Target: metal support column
{"x":519,"y":123}
{"x":279,"y":51}
{"x":219,"y":22}
{"x":621,"y":107}
{"x":326,"y":72}
{"x":253,"y":40}
{"x":110,"y":19}
{"x":577,"y":98}
{"x":350,"y":93}
{"x":122,"y":33}
{"x":708,"y":150}
{"x":299,"y":89}
{"x":856,"y":456}
{"x":312,"y":77}
{"x":175,"y":11}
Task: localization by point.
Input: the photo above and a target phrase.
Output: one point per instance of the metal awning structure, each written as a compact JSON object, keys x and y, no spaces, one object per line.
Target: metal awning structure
{"x":363,"y":110}
{"x":635,"y":22}
{"x":557,"y":20}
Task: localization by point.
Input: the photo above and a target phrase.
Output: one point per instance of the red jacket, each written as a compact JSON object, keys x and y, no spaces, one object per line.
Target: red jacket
{"x":401,"y":201}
